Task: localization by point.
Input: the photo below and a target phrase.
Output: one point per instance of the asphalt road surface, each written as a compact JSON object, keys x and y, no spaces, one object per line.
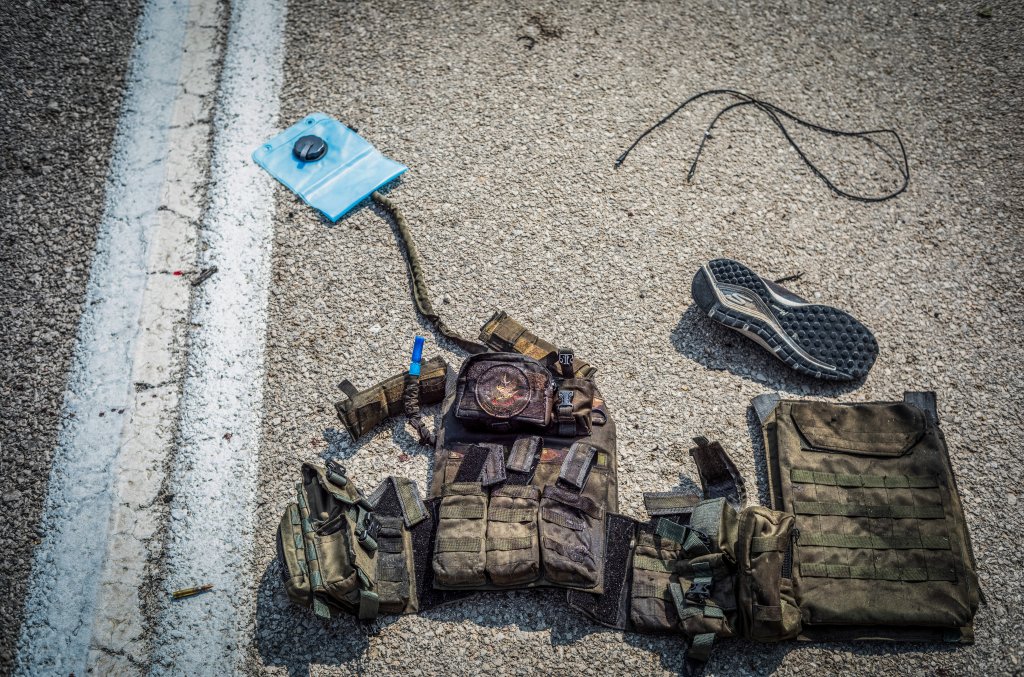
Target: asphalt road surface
{"x":152,"y":426}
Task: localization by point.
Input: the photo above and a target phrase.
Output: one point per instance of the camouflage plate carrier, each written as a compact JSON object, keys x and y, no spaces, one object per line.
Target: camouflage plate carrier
{"x":865,"y":511}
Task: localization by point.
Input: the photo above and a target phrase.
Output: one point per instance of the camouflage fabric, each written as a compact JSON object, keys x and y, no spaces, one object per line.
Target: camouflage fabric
{"x":877,"y":517}
{"x":361,"y":410}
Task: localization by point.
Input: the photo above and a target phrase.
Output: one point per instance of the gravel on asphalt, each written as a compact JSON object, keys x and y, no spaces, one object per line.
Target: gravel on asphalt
{"x":510,"y":116}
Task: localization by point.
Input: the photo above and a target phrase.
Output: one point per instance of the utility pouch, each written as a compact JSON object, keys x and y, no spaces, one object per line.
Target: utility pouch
{"x":329,"y":558}
{"x":361,"y":410}
{"x":504,"y":392}
{"x":459,"y":549}
{"x":571,"y":538}
{"x":651,"y":608}
{"x":291,"y":553}
{"x":574,"y":401}
{"x":394,"y":562}
{"x":513,"y":554}
{"x":764,"y":588}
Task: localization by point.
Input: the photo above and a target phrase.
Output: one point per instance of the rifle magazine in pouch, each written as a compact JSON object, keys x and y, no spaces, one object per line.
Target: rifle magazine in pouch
{"x":571,"y":538}
{"x":459,"y":554}
{"x":513,"y":553}
{"x":768,"y":610}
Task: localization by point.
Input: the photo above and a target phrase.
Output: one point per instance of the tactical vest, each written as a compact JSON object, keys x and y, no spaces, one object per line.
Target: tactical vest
{"x":865,"y":511}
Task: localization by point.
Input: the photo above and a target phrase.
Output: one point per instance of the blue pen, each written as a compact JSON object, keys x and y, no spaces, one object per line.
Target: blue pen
{"x":417,"y":355}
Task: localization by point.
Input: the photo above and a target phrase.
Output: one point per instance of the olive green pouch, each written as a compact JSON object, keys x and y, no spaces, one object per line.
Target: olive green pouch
{"x":571,"y":538}
{"x":459,"y":549}
{"x":651,"y":607}
{"x":291,"y":554}
{"x":764,"y":589}
{"x":335,"y":568}
{"x":513,"y":554}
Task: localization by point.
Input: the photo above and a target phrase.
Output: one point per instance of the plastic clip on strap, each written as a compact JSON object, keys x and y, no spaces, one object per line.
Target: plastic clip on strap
{"x":411,"y":395}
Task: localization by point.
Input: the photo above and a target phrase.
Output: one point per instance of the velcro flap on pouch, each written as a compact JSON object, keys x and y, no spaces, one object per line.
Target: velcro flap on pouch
{"x":868,"y":429}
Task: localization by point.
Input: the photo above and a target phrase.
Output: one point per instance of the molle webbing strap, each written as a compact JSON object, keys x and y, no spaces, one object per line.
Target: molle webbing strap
{"x":801,"y":476}
{"x":916,"y":542}
{"x":369,"y":605}
{"x":458,"y":544}
{"x":563,"y":520}
{"x":759,"y":544}
{"x":504,"y":334}
{"x":523,"y":454}
{"x":719,"y":476}
{"x":465,"y":512}
{"x":520,"y":543}
{"x":511,"y":515}
{"x":576,"y":465}
{"x":419,"y":288}
{"x":648,"y":563}
{"x":860,"y":510}
{"x":670,"y":503}
{"x":870,"y":572}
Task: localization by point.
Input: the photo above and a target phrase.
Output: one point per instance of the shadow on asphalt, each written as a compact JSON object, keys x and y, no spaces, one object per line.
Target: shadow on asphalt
{"x":720,"y":349}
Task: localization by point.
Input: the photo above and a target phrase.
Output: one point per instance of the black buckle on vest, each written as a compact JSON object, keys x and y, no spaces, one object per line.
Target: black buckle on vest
{"x":564,"y":401}
{"x":698,"y":592}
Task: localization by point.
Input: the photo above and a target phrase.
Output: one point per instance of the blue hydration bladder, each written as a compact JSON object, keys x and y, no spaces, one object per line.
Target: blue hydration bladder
{"x":331,"y":180}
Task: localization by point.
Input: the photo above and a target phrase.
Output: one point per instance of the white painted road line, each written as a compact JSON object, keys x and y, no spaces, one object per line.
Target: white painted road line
{"x":111,"y":452}
{"x":214,"y":476}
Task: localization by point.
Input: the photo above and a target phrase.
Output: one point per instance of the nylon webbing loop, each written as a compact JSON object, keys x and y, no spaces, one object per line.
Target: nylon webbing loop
{"x":759,"y":544}
{"x":648,"y":563}
{"x":458,"y":544}
{"x":520,"y":543}
{"x":871,"y":572}
{"x":862,"y":510}
{"x":511,"y":515}
{"x":803,"y":476}
{"x":670,"y":503}
{"x":420,"y":293}
{"x":563,"y":520}
{"x":914,"y":542}
{"x":467,"y":512}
